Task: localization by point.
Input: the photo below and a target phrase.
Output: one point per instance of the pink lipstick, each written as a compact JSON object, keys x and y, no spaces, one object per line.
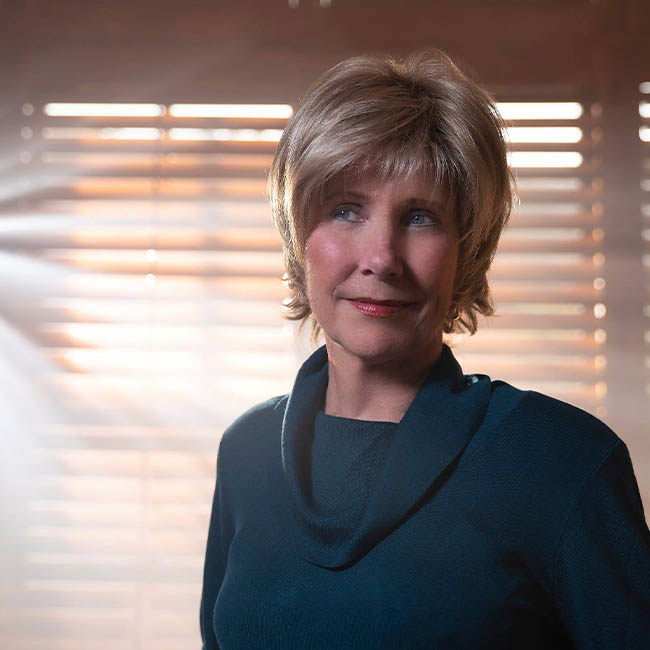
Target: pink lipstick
{"x":379,"y":310}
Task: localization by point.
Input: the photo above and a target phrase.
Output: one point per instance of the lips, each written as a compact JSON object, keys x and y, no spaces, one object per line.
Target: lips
{"x":379,"y":308}
{"x":389,"y":303}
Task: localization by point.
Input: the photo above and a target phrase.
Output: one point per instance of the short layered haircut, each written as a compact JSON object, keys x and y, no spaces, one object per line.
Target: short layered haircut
{"x":421,"y":115}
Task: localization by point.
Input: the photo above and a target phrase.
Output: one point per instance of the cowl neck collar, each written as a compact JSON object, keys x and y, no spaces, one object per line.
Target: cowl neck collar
{"x":442,"y":418}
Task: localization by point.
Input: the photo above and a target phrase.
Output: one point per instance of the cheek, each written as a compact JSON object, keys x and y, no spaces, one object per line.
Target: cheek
{"x":326,"y":259}
{"x":437,"y":268}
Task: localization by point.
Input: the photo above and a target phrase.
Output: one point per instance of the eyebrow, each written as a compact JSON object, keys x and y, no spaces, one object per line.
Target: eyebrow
{"x":410,"y":203}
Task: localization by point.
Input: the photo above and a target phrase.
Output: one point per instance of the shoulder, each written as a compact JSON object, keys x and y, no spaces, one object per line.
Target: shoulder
{"x":256,"y":424}
{"x":531,"y":464}
{"x":554,"y":437}
{"x":564,"y":423}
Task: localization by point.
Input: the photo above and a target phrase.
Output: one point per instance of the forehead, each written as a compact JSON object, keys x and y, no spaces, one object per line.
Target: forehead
{"x":370,"y":182}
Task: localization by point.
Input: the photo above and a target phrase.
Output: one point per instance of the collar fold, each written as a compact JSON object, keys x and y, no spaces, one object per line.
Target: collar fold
{"x":436,"y":428}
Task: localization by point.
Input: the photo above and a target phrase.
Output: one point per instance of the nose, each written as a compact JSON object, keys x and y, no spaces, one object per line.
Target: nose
{"x":380,"y":253}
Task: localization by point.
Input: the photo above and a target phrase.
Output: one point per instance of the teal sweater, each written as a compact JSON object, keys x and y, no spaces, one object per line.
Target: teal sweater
{"x":489,"y":517}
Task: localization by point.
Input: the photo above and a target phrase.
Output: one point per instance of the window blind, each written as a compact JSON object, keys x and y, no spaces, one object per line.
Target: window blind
{"x":547,"y":277}
{"x":147,"y":318}
{"x":644,"y":136}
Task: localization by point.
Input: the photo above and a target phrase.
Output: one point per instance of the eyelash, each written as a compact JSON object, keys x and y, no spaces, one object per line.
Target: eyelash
{"x":433,"y":219}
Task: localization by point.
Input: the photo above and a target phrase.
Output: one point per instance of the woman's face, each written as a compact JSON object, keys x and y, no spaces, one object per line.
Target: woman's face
{"x":374,"y":241}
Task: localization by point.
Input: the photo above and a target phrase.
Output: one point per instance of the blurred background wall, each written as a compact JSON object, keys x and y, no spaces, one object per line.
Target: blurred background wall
{"x":141,"y":289}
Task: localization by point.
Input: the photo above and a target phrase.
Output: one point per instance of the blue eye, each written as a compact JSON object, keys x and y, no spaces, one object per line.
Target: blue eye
{"x":422,"y":219}
{"x":346,"y":214}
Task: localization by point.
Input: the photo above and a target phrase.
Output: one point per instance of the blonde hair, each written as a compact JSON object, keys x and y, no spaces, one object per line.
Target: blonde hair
{"x":421,"y":115}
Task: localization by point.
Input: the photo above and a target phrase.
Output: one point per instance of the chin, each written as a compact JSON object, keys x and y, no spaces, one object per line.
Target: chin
{"x":374,"y":349}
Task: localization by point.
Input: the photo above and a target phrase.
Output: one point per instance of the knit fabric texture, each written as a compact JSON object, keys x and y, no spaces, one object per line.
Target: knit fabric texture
{"x":488,"y":517}
{"x":346,"y":458}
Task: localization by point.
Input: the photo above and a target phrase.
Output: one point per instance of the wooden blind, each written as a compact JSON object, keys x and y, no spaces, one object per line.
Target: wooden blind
{"x":144,"y":316}
{"x":644,"y":136}
{"x":547,"y":277}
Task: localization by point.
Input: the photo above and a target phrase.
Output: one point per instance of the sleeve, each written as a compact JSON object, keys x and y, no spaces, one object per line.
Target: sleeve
{"x":602,"y":565}
{"x":219,"y":535}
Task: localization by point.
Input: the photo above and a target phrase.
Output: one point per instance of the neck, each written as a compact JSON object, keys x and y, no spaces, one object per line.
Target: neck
{"x":381,"y":391}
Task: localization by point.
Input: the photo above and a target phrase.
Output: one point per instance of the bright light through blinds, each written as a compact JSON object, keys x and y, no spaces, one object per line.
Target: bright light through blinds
{"x":644,"y":133}
{"x":551,"y":134}
{"x":644,"y":109}
{"x":540,"y":110}
{"x":227,"y":135}
{"x":644,"y":87}
{"x":545,"y":159}
{"x":261,"y":111}
{"x":58,"y":109}
{"x":105,"y":133}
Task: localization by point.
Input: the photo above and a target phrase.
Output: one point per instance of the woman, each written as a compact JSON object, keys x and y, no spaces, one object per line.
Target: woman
{"x":389,"y":501}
